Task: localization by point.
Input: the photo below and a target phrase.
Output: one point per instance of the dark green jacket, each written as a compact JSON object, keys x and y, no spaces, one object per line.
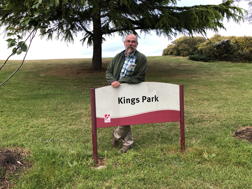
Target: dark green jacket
{"x":114,"y":69}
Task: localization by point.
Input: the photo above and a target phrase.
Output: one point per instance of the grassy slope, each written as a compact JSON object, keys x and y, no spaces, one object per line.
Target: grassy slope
{"x":45,"y":109}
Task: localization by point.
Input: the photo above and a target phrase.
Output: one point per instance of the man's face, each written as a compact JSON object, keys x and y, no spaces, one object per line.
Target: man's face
{"x":130,"y":43}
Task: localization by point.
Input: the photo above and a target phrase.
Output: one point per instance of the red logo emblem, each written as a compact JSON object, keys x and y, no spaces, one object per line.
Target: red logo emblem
{"x":107,"y":118}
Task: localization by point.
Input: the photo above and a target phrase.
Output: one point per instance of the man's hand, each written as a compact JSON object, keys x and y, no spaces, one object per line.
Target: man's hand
{"x":115,"y":84}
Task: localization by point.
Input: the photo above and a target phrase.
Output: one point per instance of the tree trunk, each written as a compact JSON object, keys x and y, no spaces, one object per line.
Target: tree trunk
{"x":97,"y":42}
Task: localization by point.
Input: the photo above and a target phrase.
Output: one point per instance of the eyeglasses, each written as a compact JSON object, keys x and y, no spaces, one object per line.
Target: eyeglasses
{"x":131,"y":41}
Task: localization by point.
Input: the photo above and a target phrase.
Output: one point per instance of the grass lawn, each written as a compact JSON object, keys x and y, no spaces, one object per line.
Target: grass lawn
{"x":45,"y":110}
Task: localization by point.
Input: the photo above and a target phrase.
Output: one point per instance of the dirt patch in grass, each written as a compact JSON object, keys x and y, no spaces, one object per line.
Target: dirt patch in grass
{"x":244,"y":133}
{"x":12,"y":160}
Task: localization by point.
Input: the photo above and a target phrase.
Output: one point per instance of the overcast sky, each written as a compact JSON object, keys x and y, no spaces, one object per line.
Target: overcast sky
{"x":149,"y":44}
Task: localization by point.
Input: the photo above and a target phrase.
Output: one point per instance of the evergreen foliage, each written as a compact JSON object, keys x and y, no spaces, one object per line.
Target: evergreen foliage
{"x":98,"y":18}
{"x":249,"y":12}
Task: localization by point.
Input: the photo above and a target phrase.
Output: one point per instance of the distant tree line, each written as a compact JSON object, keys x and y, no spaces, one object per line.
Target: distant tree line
{"x":228,"y":48}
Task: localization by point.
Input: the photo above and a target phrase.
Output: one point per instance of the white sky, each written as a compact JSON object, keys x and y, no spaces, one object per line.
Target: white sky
{"x":149,"y":44}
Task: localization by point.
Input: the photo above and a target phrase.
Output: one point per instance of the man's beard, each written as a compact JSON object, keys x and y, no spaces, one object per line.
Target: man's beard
{"x":129,"y":50}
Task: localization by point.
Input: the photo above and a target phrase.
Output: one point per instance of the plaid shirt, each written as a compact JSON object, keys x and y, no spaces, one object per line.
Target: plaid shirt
{"x":128,"y":66}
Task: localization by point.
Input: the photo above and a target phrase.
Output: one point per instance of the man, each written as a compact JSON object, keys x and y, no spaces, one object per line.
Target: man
{"x":129,"y":66}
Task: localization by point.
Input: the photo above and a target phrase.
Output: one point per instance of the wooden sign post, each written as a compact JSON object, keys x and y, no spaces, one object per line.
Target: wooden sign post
{"x":146,"y":102}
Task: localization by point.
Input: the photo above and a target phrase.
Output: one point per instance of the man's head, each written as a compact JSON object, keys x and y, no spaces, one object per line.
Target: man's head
{"x":130,"y":43}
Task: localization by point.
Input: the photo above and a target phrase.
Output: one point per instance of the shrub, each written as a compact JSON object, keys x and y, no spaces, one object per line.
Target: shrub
{"x":199,"y":57}
{"x":183,"y":46}
{"x":227,"y":48}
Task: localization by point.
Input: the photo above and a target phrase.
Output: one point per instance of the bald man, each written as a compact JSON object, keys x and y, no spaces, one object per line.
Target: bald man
{"x":129,"y":66}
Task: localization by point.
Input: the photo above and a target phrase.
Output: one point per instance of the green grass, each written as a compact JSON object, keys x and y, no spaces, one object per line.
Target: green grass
{"x":45,"y":109}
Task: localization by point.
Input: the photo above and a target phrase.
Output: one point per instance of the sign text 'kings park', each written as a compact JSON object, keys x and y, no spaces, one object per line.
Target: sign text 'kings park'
{"x":133,"y":101}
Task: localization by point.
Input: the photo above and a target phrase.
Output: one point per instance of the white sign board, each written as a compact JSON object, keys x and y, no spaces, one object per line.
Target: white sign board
{"x":146,"y":102}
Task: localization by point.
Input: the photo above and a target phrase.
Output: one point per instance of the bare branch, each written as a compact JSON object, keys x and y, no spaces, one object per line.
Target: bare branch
{"x":11,"y":75}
